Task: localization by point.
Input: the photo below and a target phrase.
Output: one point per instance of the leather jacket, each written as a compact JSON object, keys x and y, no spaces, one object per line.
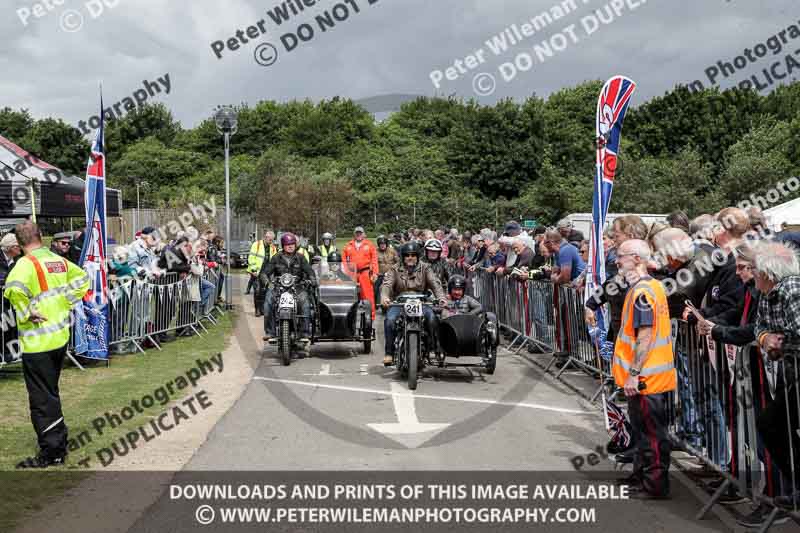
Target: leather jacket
{"x":282,"y":263}
{"x":399,"y":280}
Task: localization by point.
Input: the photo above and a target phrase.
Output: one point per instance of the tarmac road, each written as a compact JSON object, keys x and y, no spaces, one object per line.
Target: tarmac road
{"x":339,"y":415}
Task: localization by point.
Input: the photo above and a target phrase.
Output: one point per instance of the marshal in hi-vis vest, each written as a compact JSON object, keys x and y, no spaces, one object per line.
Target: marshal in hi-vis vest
{"x":257,"y":256}
{"x":658,"y":372}
{"x":51,"y":285}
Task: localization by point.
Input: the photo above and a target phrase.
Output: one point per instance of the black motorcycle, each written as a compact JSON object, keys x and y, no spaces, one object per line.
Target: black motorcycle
{"x":412,"y":343}
{"x":289,"y":320}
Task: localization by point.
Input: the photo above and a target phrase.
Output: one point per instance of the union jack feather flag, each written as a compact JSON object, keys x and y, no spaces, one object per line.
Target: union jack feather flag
{"x":92,"y":327}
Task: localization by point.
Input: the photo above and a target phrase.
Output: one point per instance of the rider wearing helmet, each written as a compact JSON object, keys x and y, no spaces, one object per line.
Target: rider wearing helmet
{"x":459,"y":303}
{"x":433,"y":257}
{"x":387,"y":258}
{"x":291,"y":262}
{"x":327,"y":247}
{"x":410,"y":275}
{"x":335,"y":272}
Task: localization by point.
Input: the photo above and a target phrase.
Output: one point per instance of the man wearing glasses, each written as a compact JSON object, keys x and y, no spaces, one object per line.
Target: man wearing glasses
{"x":60,"y":244}
{"x":644,"y":367}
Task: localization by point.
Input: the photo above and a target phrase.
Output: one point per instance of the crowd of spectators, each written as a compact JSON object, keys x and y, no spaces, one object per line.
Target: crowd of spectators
{"x":737,"y":283}
{"x":516,"y":253}
{"x":725,"y":274}
{"x":188,"y":256}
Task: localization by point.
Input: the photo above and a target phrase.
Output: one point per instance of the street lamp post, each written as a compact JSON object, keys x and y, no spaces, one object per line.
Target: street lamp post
{"x":227,"y":125}
{"x":138,"y":208}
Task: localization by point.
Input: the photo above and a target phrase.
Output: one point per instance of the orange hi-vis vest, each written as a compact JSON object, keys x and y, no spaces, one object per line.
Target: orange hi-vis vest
{"x":658,"y":372}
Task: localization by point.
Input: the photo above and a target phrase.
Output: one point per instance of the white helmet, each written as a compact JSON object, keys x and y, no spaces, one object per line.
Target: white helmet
{"x":327,"y":236}
{"x":433,"y":245}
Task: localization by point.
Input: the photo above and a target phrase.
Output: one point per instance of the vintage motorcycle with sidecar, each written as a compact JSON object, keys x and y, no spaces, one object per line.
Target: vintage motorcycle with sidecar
{"x":456,"y":336}
{"x":340,"y":315}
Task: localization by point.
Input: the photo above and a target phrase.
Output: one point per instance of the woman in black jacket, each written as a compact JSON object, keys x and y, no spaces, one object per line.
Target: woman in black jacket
{"x":736,"y":325}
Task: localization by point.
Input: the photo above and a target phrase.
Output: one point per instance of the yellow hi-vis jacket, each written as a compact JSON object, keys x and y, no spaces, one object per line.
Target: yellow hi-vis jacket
{"x":304,"y":253}
{"x":325,"y":251}
{"x":257,"y":255}
{"x":51,"y":285}
{"x":658,"y":372}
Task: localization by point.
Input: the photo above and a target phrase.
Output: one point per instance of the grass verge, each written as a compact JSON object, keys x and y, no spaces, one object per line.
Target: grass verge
{"x":86,"y":395}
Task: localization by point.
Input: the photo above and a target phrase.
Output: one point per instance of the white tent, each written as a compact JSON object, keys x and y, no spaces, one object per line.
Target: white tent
{"x":788,"y":213}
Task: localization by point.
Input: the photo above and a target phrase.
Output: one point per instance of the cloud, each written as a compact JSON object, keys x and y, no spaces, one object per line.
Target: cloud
{"x":387,"y":48}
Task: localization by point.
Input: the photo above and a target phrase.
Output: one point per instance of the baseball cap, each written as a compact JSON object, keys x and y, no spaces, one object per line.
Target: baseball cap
{"x":359,"y":229}
{"x":564,"y":223}
{"x":147,"y":230}
{"x":513,"y":226}
{"x":63,"y":235}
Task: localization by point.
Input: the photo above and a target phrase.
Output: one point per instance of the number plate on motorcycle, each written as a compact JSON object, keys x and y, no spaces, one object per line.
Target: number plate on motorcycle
{"x":287,"y":300}
{"x":414,"y":308}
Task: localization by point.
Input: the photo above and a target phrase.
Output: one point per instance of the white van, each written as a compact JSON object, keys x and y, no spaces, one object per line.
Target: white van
{"x":583,"y":221}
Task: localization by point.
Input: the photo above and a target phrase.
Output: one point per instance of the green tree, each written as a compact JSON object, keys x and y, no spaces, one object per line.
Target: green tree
{"x":662,"y":185}
{"x":709,"y":121}
{"x":569,"y":125}
{"x":59,"y":144}
{"x":761,"y":159}
{"x":165,"y":169}
{"x":327,"y":129}
{"x":149,"y":120}
{"x":497,"y":150}
{"x":15,"y":124}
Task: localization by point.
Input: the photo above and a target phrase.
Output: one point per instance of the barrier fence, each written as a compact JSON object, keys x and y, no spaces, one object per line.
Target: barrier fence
{"x":732,"y":404}
{"x":140,"y":312}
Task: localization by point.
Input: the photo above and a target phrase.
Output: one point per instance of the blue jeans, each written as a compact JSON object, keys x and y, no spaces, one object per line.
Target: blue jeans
{"x":206,"y":288}
{"x":390,"y":325}
{"x":303,"y":306}
{"x":689,"y":424}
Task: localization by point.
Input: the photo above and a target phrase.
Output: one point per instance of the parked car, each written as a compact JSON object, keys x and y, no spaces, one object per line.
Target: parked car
{"x":239,"y":252}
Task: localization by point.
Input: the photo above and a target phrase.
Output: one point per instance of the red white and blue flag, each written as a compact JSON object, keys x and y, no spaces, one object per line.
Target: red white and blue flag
{"x":612,"y":105}
{"x":92,"y":328}
{"x":619,"y":427}
{"x":611,"y":108}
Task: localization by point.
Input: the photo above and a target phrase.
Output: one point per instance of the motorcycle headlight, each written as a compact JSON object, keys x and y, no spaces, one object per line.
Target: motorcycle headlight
{"x":491,"y":327}
{"x":287,"y":280}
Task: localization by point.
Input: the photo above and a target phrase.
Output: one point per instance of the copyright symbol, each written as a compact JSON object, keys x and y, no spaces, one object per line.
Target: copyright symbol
{"x":265,"y":54}
{"x":204,"y":515}
{"x":484,"y":84}
{"x":71,"y":20}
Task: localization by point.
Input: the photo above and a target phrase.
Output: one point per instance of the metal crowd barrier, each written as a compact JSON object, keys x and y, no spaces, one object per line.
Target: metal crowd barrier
{"x":732,"y":404}
{"x":139,"y":311}
{"x":10,"y":352}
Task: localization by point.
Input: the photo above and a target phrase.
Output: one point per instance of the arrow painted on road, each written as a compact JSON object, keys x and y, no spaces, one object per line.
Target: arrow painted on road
{"x":408,"y":430}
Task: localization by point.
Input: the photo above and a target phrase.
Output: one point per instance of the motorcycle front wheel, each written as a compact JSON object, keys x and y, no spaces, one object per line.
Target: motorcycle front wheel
{"x":412,"y":351}
{"x":285,"y":343}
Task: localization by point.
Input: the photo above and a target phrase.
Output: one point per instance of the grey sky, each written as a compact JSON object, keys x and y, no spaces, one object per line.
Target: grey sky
{"x":388,"y":47}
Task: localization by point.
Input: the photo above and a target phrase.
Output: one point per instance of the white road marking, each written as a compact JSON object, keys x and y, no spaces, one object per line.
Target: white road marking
{"x":363,"y":369}
{"x":325,"y":370}
{"x":407,"y":421}
{"x":425,"y":396}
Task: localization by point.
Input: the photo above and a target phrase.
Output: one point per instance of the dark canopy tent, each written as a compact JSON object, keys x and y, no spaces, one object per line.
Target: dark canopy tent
{"x":55,"y":193}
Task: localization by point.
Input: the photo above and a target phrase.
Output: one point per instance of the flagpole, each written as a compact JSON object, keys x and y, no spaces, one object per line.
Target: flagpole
{"x":33,"y":202}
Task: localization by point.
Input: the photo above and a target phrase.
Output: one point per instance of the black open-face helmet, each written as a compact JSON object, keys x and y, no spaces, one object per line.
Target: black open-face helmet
{"x":409,"y":248}
{"x":334,"y":257}
{"x":456,"y":282}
